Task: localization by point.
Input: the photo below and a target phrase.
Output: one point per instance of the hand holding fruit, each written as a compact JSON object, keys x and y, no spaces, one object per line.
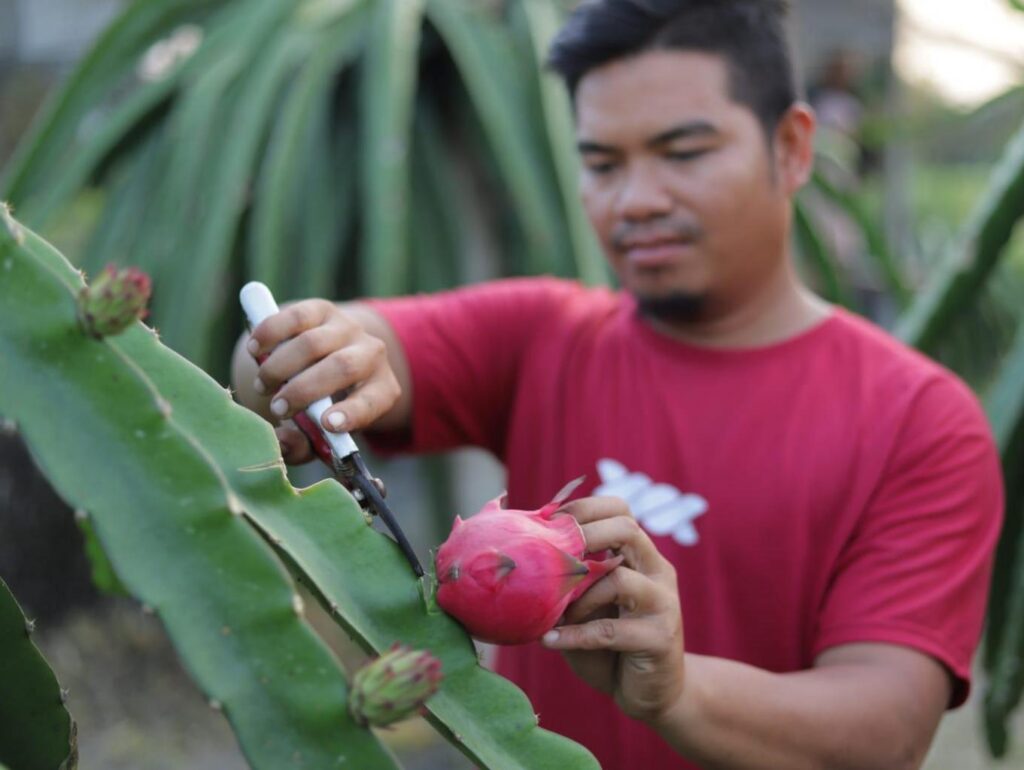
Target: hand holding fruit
{"x":624,"y":636}
{"x":508,"y":575}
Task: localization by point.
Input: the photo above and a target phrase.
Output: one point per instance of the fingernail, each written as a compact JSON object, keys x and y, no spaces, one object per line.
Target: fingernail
{"x":279,"y":407}
{"x":336,"y":420}
{"x":258,"y":386}
{"x":253,"y":347}
{"x":551,"y":637}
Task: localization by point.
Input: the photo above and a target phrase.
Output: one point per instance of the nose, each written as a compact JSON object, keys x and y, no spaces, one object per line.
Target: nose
{"x":643,"y":195}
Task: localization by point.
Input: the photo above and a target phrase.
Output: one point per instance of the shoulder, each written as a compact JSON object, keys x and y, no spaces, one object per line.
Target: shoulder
{"x":531,"y":293}
{"x":508,"y":307}
{"x":889,"y":366}
{"x":543,"y":305}
{"x":909,"y":409}
{"x":560,"y":295}
{"x":935,"y":420}
{"x":876,"y":347}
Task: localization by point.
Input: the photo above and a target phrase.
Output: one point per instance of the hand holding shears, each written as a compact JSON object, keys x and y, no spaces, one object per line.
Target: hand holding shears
{"x":337,"y":450}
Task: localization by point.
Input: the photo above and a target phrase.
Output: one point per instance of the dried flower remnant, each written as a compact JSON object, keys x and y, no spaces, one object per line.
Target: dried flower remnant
{"x":113,"y":301}
{"x":393,"y":686}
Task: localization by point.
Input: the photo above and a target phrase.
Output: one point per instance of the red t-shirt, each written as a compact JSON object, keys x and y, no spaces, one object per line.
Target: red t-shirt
{"x":836,"y":487}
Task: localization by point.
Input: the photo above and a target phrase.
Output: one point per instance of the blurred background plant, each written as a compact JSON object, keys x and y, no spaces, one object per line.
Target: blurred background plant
{"x":341,"y":148}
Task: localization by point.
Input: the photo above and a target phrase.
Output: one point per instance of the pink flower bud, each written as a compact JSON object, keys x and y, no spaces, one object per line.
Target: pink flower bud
{"x":113,"y":301}
{"x":508,"y":575}
{"x":393,"y":686}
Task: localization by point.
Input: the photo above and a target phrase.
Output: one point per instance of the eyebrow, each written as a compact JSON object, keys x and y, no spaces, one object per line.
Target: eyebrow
{"x":682,"y":131}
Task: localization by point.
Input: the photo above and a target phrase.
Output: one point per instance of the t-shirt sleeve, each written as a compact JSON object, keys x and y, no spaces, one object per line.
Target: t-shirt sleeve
{"x":916,"y":571}
{"x":464,"y":349}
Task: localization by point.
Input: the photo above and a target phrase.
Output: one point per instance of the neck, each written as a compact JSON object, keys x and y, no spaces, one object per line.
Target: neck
{"x":781,"y":308}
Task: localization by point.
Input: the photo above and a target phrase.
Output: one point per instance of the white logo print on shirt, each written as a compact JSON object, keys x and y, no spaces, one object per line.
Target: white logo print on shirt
{"x":660,"y":508}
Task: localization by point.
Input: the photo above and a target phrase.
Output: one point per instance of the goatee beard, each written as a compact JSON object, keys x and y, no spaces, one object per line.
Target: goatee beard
{"x":677,"y":307}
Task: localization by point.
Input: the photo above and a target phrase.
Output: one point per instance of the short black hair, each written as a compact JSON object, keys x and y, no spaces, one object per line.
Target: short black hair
{"x":749,"y":34}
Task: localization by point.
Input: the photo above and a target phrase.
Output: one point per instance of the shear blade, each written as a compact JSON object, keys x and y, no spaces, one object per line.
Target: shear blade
{"x":375,"y":503}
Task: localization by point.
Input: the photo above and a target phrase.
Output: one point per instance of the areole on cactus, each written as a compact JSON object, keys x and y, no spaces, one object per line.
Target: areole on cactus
{"x":508,"y":575}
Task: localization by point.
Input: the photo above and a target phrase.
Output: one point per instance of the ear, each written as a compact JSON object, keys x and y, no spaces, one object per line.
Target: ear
{"x":794,"y":147}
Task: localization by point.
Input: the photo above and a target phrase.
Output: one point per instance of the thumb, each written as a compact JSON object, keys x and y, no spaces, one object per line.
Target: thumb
{"x":295,"y":448}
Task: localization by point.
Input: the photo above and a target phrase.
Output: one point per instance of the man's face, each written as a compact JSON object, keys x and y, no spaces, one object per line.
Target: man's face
{"x":679,"y":183}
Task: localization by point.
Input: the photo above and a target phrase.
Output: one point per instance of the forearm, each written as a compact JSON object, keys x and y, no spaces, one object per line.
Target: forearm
{"x":734,"y":716}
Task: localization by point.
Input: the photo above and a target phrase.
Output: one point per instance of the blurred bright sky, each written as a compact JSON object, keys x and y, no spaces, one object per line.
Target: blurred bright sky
{"x":962,"y":49}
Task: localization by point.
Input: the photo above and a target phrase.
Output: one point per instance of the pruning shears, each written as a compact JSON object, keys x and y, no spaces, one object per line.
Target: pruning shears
{"x":337,"y":450}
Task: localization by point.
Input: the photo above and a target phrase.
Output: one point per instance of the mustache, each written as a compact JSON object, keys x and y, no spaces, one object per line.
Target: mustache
{"x":626,"y":233}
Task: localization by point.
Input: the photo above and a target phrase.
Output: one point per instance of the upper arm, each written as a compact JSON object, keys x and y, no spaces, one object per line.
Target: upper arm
{"x":463,"y":354}
{"x":915,"y":572}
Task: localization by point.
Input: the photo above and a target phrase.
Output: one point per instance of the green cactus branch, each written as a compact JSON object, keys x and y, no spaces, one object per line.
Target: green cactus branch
{"x":972,"y":257}
{"x":1005,"y":631}
{"x":818,"y":257}
{"x":877,"y":249}
{"x":36,"y":730}
{"x":300,"y":176}
{"x":168,"y":520}
{"x":491,"y":65}
{"x":388,"y":93}
{"x":183,"y":469}
{"x":542,"y":20}
{"x":111,"y":62}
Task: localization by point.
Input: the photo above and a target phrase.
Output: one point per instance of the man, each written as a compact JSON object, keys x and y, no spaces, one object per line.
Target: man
{"x":818,"y":502}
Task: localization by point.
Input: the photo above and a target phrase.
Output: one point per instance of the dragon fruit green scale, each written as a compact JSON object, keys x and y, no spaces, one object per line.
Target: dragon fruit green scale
{"x":508,"y":575}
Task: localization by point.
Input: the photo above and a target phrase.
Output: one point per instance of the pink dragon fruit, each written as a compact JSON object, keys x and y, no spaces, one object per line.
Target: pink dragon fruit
{"x":508,"y":575}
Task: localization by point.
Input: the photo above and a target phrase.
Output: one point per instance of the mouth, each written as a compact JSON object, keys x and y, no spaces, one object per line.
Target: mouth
{"x":654,"y":253}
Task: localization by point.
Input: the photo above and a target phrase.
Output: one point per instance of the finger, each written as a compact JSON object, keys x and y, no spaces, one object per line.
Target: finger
{"x":597,"y":669}
{"x":287,"y":323}
{"x":617,"y":634}
{"x":624,"y":588}
{"x":295,"y":448}
{"x":589,"y":509}
{"x":297,"y":355}
{"x":365,"y":405}
{"x":623,"y":535}
{"x":607,"y":611}
{"x":338,"y":371}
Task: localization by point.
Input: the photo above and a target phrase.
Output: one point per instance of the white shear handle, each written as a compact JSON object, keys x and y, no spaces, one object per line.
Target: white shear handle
{"x":258,"y":304}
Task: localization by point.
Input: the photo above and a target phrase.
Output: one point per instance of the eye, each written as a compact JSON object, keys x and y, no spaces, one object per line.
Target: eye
{"x":685,"y":155}
{"x":601,"y":167}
